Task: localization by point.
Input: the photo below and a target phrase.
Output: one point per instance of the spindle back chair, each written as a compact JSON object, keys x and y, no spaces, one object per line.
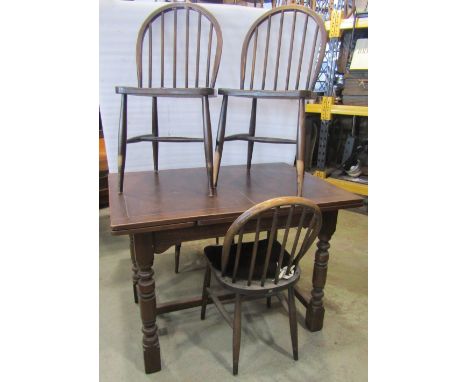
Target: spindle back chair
{"x":263,"y":267}
{"x":304,"y":49}
{"x":194,"y":83}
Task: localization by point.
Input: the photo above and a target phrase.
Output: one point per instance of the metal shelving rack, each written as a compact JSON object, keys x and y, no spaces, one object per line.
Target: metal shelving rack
{"x":333,"y":14}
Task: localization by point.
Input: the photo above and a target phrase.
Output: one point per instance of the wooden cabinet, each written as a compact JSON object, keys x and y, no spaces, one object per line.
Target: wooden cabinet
{"x":103,"y":170}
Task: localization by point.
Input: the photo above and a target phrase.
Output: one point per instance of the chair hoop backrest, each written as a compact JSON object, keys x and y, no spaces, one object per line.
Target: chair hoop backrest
{"x":167,"y":15}
{"x":311,"y":38}
{"x":286,"y":212}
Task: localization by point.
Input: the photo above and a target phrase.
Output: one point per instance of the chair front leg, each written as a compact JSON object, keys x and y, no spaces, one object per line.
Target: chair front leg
{"x":253,"y":122}
{"x":300,"y":147}
{"x":208,"y":143}
{"x":293,"y":321}
{"x":236,"y":334}
{"x":220,"y":139}
{"x":122,"y":142}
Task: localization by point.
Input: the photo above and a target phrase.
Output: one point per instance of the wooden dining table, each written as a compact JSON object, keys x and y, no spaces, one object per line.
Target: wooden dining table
{"x":161,"y":209}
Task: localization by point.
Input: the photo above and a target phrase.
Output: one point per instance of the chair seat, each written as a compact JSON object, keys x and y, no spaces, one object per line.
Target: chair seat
{"x":275,"y":94}
{"x":213,"y":254}
{"x":165,"y":92}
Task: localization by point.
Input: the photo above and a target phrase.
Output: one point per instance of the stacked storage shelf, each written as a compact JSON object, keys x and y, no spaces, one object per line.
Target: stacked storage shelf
{"x":329,"y":108}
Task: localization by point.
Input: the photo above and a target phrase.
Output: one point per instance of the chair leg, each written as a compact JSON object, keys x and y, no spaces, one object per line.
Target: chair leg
{"x":253,"y":120}
{"x":155,"y":131}
{"x":220,"y":140}
{"x":177,"y":257}
{"x":236,"y":334}
{"x":293,"y":321}
{"x":122,"y":142}
{"x":300,"y":147}
{"x":269,"y":302}
{"x":208,"y":143}
{"x":206,"y":284}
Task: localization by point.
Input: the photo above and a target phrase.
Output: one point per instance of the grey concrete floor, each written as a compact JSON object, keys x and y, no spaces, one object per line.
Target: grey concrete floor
{"x":195,"y":350}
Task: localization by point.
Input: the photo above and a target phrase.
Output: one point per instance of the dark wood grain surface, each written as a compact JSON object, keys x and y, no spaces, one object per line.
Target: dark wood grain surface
{"x":178,"y":198}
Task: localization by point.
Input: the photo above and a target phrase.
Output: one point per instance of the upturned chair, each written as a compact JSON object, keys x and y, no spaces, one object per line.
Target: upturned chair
{"x":262,"y":268}
{"x":306,"y":43}
{"x":195,"y":85}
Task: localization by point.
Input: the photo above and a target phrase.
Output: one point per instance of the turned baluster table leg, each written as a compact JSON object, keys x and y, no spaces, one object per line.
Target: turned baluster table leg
{"x":134,"y":270}
{"x":144,"y":255}
{"x":315,"y":309}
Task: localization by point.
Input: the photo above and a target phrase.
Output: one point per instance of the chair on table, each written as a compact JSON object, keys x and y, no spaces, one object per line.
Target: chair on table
{"x":164,"y":19}
{"x":262,"y":268}
{"x":305,"y":49}
{"x":196,"y":85}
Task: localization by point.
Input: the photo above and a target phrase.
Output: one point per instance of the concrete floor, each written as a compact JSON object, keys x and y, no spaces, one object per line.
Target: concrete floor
{"x":195,"y":350}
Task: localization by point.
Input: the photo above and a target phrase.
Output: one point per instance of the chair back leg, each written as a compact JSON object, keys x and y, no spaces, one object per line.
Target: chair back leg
{"x":220,"y":140}
{"x":122,"y":142}
{"x":293,"y":321}
{"x":177,"y":257}
{"x":236,"y":334}
{"x":206,"y":284}
{"x":300,"y":147}
{"x":208,"y":144}
{"x":155,"y":131}
{"x":253,"y":122}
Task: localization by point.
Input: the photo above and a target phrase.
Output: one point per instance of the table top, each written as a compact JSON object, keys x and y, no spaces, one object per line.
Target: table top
{"x":151,"y":201}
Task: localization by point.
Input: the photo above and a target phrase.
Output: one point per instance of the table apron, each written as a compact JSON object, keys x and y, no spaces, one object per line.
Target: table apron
{"x":163,"y":240}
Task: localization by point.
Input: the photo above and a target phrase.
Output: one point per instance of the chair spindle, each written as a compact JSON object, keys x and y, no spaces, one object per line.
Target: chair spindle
{"x":301,"y":54}
{"x":291,"y":45}
{"x":174,"y":62}
{"x":162,"y":50}
{"x":308,"y":237}
{"x":197,"y":70}
{"x":312,"y":58}
{"x":265,"y":61}
{"x":238,"y":254}
{"x":254,"y":57}
{"x":187,"y":40}
{"x":270,"y":245}
{"x":283,"y":244}
{"x":278,"y":50}
{"x":150,"y":56}
{"x":298,"y":232}
{"x":254,"y":252}
{"x":209,"y":56}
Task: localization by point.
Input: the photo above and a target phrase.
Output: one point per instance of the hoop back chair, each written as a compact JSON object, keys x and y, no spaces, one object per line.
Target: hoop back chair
{"x":193,"y":84}
{"x":306,"y":44}
{"x":262,"y":268}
